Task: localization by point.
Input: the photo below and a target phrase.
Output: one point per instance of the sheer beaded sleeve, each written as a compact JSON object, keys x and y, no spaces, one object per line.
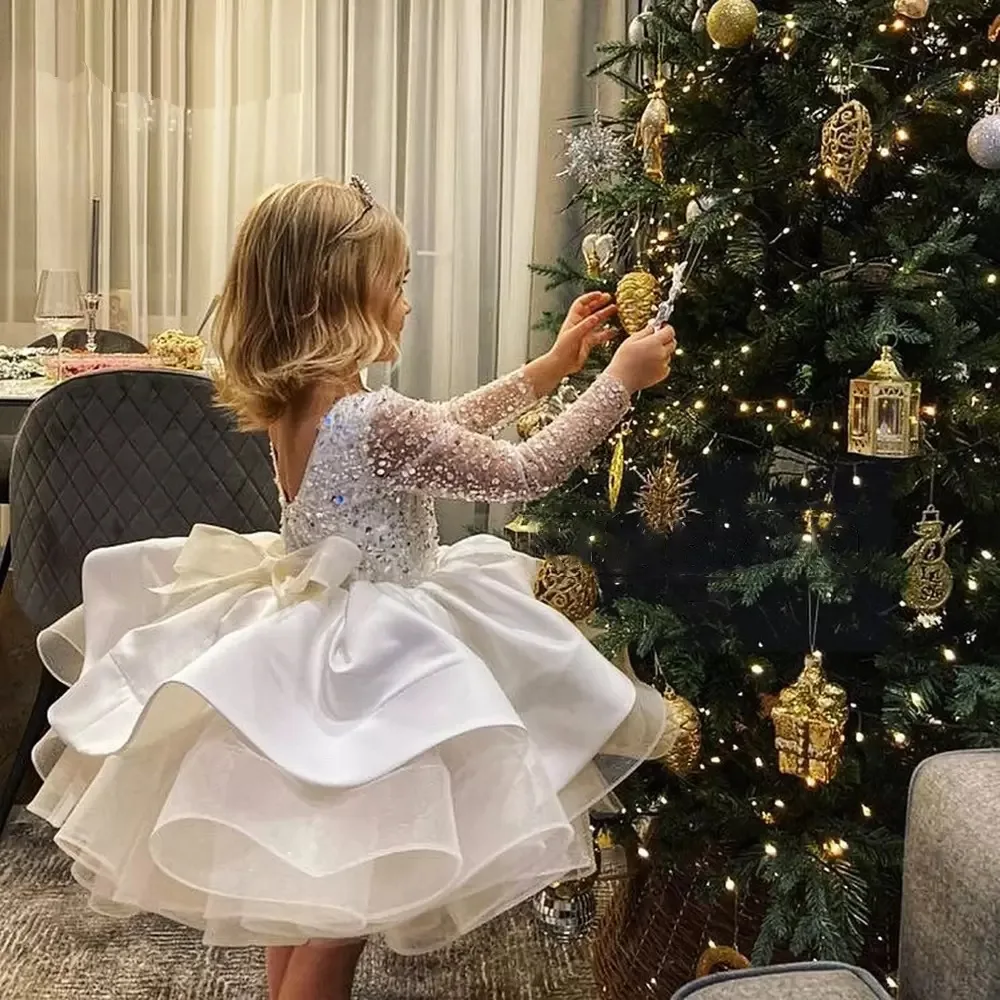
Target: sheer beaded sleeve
{"x":491,"y":408}
{"x":413,"y":447}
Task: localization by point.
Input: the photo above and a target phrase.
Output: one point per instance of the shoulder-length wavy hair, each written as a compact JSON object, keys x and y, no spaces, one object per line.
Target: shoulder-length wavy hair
{"x":313,"y":274}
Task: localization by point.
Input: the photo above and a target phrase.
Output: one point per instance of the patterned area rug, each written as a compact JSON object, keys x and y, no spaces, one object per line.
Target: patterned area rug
{"x":53,"y":948}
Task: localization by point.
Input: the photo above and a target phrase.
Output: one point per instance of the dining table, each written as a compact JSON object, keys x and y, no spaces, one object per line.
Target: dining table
{"x":16,"y":396}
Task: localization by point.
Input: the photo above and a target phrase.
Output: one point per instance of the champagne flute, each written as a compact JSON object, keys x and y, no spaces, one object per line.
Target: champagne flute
{"x":59,"y":307}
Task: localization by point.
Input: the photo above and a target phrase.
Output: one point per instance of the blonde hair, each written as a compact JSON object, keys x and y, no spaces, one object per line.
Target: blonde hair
{"x":307,"y":295}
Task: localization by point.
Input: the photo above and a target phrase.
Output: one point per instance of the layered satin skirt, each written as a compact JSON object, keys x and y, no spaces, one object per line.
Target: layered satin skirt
{"x":260,"y":746}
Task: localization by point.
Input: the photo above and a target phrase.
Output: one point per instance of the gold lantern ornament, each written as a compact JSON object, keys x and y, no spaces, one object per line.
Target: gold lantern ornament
{"x":636,"y":296}
{"x":847,"y":144}
{"x":569,"y":585}
{"x":732,"y":23}
{"x":809,"y":718}
{"x":884,"y":412}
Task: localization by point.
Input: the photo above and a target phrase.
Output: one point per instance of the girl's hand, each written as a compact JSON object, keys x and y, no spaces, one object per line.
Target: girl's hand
{"x":584,"y":328}
{"x":644,"y":359}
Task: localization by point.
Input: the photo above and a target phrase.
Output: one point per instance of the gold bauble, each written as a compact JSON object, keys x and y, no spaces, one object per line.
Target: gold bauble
{"x":636,"y":296}
{"x":732,"y":23}
{"x":809,"y":718}
{"x":847,"y":144}
{"x":682,"y":756}
{"x":913,"y":9}
{"x":569,"y":585}
{"x":929,"y":579}
{"x":993,"y":32}
{"x":664,"y":498}
{"x":720,"y":959}
{"x":532,"y":421}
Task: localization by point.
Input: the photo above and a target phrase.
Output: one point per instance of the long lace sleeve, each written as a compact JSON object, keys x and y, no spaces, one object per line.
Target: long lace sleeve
{"x":491,"y":408}
{"x":414,"y":448}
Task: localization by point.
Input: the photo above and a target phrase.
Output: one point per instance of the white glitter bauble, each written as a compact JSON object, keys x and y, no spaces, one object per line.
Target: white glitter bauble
{"x":699,"y":206}
{"x":984,"y":141}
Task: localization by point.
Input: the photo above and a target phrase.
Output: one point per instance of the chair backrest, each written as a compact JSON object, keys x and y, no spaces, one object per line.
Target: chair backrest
{"x":106,"y":342}
{"x":122,"y":456}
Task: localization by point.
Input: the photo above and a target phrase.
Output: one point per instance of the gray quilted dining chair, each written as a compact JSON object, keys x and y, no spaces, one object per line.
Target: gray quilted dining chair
{"x":118,"y":457}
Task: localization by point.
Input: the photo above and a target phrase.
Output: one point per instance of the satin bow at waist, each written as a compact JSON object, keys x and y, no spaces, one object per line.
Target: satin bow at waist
{"x":213,"y":560}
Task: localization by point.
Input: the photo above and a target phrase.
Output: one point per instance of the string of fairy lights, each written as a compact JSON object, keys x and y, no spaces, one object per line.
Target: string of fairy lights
{"x":715,"y":388}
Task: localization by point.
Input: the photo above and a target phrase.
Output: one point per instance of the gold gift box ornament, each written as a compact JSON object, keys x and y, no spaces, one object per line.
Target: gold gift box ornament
{"x":809,"y":718}
{"x":884,"y":419}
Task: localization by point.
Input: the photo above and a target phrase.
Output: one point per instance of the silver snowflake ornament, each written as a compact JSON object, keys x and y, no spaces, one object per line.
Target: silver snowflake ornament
{"x":594,"y":153}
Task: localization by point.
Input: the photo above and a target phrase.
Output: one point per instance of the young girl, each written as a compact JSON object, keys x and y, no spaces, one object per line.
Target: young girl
{"x":299,"y":742}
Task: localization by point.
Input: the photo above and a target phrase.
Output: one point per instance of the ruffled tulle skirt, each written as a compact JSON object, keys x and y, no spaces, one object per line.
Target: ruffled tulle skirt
{"x":256,"y":745}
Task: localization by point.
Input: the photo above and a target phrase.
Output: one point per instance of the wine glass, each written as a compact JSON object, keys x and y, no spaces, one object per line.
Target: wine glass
{"x":59,"y":307}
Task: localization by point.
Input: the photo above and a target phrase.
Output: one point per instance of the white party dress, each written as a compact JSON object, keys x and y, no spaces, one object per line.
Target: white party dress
{"x":346,"y":729}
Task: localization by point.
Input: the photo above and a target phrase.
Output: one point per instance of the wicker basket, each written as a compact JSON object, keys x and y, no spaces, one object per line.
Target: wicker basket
{"x":657,"y":927}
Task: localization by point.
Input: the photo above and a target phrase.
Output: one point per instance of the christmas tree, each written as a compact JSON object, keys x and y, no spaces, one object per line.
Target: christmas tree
{"x":819,"y":180}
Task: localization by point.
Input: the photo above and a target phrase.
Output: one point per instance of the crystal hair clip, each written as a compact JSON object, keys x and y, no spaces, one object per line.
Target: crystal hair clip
{"x":361,"y":186}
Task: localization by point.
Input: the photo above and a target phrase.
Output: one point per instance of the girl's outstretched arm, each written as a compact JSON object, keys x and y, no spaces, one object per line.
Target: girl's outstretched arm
{"x":414,"y":447}
{"x":490,"y":409}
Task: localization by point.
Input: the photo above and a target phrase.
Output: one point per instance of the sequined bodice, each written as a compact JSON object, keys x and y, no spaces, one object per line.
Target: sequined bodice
{"x":340,"y":495}
{"x":380,"y":459}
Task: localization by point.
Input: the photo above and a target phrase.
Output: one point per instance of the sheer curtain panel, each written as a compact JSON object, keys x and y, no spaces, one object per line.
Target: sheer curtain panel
{"x":178,"y":113}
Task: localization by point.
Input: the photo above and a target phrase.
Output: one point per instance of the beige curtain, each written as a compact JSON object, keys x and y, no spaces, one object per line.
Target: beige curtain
{"x":573,"y":30}
{"x":177,"y":113}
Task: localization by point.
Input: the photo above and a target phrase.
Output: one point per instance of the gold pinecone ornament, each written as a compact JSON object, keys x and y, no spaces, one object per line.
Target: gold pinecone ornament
{"x":682,"y":756}
{"x":732,"y":23}
{"x":809,"y":718}
{"x":847,"y":144}
{"x":636,"y":296}
{"x":569,"y":585}
{"x":664,"y":497}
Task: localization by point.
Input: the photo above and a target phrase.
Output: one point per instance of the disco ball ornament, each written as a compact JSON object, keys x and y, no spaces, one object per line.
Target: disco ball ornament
{"x":566,"y":910}
{"x":984,"y":139}
{"x":594,"y":153}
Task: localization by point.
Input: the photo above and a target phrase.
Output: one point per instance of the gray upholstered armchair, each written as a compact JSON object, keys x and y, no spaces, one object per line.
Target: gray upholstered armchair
{"x":950,"y":948}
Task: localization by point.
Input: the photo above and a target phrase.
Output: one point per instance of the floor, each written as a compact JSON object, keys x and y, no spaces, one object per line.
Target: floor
{"x":53,"y":948}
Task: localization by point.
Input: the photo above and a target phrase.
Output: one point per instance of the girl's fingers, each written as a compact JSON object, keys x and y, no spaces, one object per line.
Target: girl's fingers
{"x":594,"y":320}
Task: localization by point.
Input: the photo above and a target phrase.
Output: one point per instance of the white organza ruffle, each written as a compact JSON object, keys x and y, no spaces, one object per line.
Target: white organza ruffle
{"x":254,"y":747}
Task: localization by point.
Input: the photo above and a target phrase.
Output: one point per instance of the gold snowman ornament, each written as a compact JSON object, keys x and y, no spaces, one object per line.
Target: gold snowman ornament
{"x":929,"y":579}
